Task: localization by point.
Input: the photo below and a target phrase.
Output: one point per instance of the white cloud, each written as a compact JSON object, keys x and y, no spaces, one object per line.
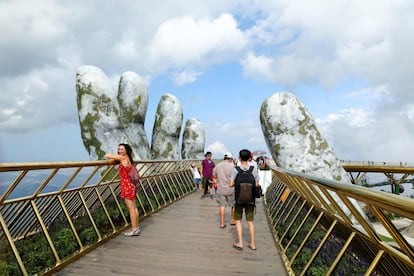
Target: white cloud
{"x":233,"y":136}
{"x":324,"y":48}
{"x":358,"y":118}
{"x":380,"y":91}
{"x":359,"y":134}
{"x":361,"y":47}
{"x":126,"y":48}
{"x":184,"y":41}
{"x":186,"y":77}
{"x":32,"y":22}
{"x":408,"y":111}
{"x":217,"y":148}
{"x":37,"y":102}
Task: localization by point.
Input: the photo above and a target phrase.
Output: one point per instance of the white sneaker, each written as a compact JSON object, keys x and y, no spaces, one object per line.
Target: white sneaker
{"x":135,"y":232}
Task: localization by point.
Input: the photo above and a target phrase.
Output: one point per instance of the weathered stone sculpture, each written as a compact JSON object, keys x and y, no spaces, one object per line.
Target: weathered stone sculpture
{"x":98,"y":112}
{"x":193,"y":140}
{"x":294,"y":141}
{"x":167,"y":128}
{"x":133,"y":101}
{"x":107,"y":119}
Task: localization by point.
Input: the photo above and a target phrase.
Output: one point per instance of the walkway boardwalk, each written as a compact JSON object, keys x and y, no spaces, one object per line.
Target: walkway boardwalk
{"x":184,"y":239}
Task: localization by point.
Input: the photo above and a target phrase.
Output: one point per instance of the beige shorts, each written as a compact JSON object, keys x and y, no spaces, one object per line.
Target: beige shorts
{"x":225,"y":200}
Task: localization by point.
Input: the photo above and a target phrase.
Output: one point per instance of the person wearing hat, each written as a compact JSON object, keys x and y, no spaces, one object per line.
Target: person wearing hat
{"x":225,"y":193}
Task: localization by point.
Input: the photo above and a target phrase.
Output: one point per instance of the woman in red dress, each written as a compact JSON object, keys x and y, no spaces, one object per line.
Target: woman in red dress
{"x":128,"y":189}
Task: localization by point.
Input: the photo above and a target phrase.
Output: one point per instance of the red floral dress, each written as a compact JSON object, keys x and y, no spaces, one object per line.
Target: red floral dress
{"x":128,"y":189}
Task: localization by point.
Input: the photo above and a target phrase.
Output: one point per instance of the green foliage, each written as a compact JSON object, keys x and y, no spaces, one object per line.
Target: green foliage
{"x":115,"y":213}
{"x":8,"y":263}
{"x":35,"y":253}
{"x":101,"y":221}
{"x":354,"y":262}
{"x":7,"y":268}
{"x":88,"y":236}
{"x":65,"y":243}
{"x":318,"y":271}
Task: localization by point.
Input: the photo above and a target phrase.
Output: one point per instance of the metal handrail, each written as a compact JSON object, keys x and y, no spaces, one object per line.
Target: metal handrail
{"x":79,"y":199}
{"x":300,"y":205}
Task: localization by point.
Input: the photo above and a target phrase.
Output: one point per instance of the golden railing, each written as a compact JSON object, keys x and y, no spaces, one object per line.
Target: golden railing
{"x":320,"y":230}
{"x":53,"y":213}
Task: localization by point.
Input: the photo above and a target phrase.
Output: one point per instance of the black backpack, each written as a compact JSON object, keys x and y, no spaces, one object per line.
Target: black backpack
{"x":245,"y":186}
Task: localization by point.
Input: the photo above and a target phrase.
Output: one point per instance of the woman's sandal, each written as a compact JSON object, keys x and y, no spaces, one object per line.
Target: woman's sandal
{"x":235,"y":246}
{"x":249,"y":246}
{"x":135,"y":232}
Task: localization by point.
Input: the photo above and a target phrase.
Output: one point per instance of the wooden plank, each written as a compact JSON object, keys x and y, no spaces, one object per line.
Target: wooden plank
{"x":184,"y":239}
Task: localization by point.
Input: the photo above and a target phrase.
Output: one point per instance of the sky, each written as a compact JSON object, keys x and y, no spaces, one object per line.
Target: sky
{"x":349,"y":62}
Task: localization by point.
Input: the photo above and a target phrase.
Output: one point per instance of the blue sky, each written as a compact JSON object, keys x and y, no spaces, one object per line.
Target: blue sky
{"x":349,"y":62}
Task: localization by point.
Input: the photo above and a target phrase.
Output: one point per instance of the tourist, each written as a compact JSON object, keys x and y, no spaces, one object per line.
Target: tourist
{"x":128,"y":189}
{"x":244,"y":156}
{"x":251,"y":162}
{"x":225,"y":193}
{"x":196,"y":177}
{"x":207,"y":166}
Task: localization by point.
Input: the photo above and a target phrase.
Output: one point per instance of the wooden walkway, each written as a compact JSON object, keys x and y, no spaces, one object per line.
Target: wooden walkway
{"x":184,"y":239}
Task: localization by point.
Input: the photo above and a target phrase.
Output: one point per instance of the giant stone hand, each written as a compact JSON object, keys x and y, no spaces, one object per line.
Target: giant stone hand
{"x":295,"y":142}
{"x":107,"y":119}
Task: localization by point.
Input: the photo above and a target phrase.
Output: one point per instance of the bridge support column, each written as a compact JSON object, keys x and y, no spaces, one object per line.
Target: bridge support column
{"x":358,"y":177}
{"x":395,"y":184}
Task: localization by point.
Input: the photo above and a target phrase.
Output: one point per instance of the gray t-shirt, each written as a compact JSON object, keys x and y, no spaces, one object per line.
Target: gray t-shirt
{"x":223,"y":172}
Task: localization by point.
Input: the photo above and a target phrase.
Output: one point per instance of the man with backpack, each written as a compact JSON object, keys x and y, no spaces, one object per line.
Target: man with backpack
{"x":244,"y":179}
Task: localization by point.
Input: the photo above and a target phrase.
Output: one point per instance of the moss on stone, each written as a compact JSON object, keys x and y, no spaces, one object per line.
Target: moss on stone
{"x":327,"y":163}
{"x":158,"y":119}
{"x":81,"y":91}
{"x":323,"y":146}
{"x":303,"y":125}
{"x":312,"y":146}
{"x":194,"y":135}
{"x":168,"y":150}
{"x":186,"y":134}
{"x":279,"y":128}
{"x":87,"y":126}
{"x":276,"y":148}
{"x":263,"y":108}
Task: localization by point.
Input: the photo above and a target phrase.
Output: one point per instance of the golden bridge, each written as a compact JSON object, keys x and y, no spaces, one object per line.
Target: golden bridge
{"x":66,"y":219}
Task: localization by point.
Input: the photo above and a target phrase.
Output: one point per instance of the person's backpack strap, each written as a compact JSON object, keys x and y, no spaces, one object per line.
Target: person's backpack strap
{"x":251,"y":168}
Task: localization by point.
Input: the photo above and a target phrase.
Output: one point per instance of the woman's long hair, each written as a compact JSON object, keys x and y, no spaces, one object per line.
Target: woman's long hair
{"x":128,"y":150}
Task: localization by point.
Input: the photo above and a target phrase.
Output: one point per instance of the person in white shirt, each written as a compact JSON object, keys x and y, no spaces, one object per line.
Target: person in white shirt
{"x":196,"y":177}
